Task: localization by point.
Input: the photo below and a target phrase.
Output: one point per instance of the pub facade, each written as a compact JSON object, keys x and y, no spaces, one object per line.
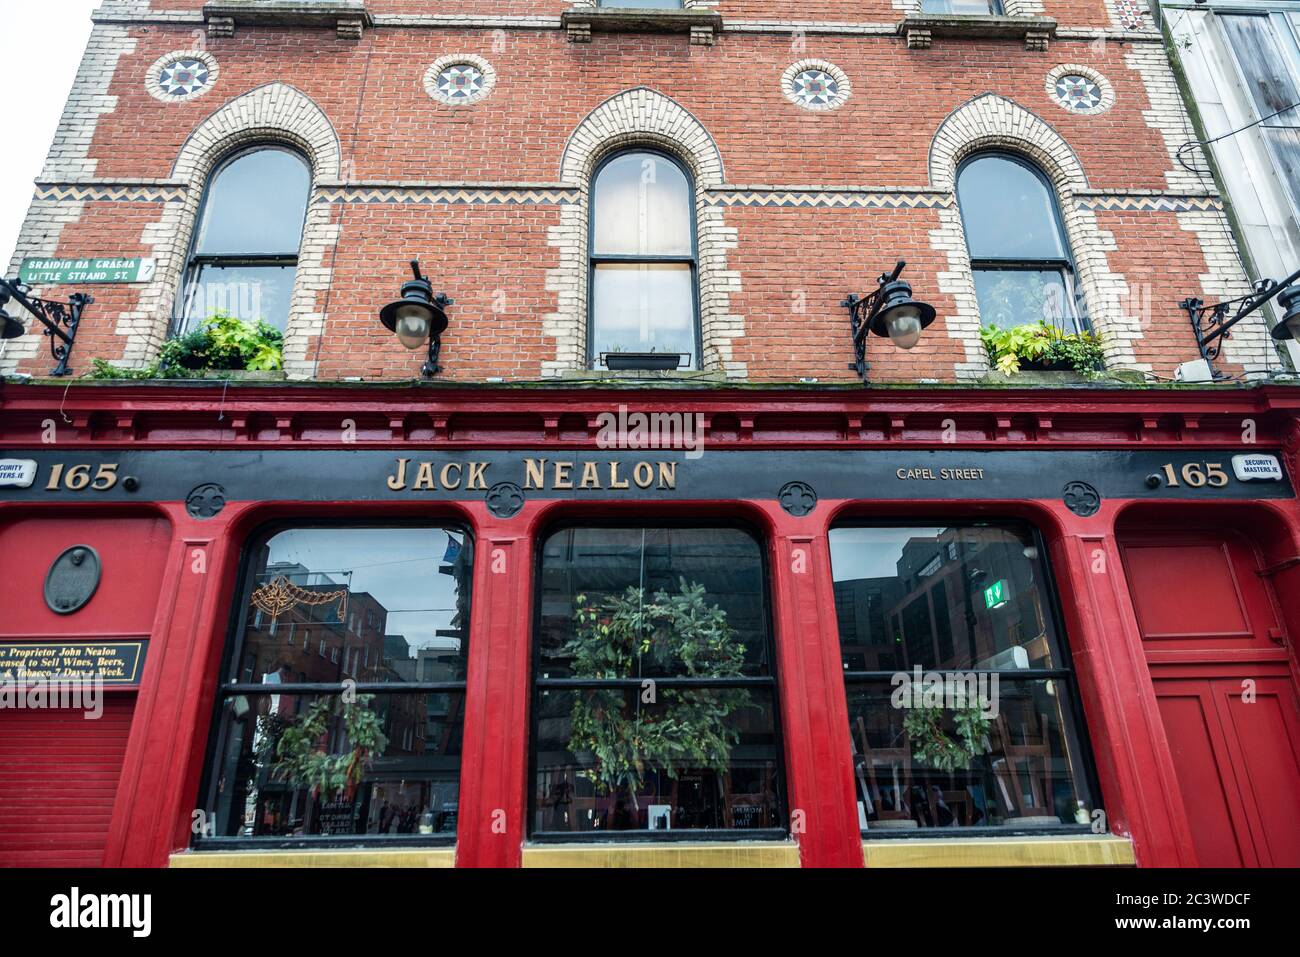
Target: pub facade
{"x":515,"y":433}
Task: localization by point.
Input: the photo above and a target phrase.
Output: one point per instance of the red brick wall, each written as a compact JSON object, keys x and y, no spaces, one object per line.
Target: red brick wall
{"x":391,"y":130}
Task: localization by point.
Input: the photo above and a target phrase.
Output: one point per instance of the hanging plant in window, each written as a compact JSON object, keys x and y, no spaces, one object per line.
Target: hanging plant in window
{"x":931,"y":743}
{"x":683,"y":728}
{"x":300,"y":761}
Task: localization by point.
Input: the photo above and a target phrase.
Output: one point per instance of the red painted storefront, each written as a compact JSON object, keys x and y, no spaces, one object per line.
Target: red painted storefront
{"x":1168,"y":600}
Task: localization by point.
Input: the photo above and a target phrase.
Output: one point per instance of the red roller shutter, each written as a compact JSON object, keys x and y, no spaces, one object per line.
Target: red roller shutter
{"x":58,"y":778}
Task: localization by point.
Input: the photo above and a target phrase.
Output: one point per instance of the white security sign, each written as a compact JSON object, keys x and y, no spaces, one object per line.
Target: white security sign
{"x":17,"y":472}
{"x":1257,"y":468}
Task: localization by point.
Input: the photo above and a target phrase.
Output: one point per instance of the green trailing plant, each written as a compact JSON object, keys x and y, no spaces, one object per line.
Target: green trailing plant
{"x":682,"y":728}
{"x":222,"y":342}
{"x":299,"y":760}
{"x":931,"y":744}
{"x":1041,"y":343}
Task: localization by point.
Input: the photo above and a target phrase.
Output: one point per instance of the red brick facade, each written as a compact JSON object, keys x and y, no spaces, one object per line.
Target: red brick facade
{"x":791,"y":265}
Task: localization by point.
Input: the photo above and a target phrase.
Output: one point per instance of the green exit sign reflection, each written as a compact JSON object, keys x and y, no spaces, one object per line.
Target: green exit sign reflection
{"x":997,"y":594}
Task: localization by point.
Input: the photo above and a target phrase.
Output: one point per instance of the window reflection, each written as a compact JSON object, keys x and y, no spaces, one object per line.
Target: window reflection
{"x":643,"y":268}
{"x":333,"y":615}
{"x":245,"y":252}
{"x":1018,"y":250}
{"x":655,"y":706}
{"x":961,"y":700}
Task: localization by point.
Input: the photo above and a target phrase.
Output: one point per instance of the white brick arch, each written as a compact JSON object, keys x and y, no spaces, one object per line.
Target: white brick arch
{"x":992,"y":122}
{"x":273,"y":113}
{"x":642,"y":117}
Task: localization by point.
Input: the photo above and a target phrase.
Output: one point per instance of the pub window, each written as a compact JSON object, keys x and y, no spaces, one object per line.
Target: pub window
{"x":1019,"y":255}
{"x":963,"y":707}
{"x":298,"y":752}
{"x":643,"y":264}
{"x":655,"y":698}
{"x":245,"y":252}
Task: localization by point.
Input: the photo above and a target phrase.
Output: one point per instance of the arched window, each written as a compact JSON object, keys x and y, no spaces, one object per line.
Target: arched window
{"x":643,"y":264}
{"x":1018,"y":250}
{"x":245,"y":251}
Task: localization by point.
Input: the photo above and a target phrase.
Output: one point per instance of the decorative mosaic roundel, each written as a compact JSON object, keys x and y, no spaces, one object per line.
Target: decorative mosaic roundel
{"x":1079,"y":89}
{"x":182,"y":76}
{"x":459,"y":80}
{"x":1078,"y":93}
{"x":815,"y":85}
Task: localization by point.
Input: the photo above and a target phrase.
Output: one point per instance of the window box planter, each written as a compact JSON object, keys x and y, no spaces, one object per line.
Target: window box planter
{"x":243,"y":375}
{"x":580,"y":23}
{"x":920,"y":30}
{"x":646,"y":361}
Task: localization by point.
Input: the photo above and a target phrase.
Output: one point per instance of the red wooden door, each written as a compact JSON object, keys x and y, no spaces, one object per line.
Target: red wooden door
{"x":1227,"y":695}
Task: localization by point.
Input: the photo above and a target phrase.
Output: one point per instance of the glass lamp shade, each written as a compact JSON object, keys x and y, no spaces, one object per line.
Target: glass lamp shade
{"x":1292,"y":324}
{"x":900,"y":316}
{"x":1289,"y":327}
{"x":10,"y":328}
{"x":903,"y":323}
{"x":412,"y":324}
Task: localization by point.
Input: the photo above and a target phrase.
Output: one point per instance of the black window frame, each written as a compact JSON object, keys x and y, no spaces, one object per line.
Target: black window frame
{"x":594,"y":259}
{"x":538,"y":684}
{"x":1063,"y":671}
{"x":226,"y":688}
{"x":195,"y":263}
{"x":996,"y":9}
{"x":1076,"y":305}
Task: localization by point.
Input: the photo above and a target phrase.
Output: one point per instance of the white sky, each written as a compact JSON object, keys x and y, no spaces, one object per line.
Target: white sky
{"x":40,"y":46}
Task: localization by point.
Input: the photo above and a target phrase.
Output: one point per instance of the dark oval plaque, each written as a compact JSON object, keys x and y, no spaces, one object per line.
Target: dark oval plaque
{"x":72,"y":579}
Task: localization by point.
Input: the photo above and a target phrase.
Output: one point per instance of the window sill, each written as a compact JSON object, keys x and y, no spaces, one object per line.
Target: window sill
{"x":581,"y":22}
{"x":920,"y":30}
{"x":702,"y":854}
{"x":349,"y":18}
{"x":352,"y":857}
{"x":1084,"y":850}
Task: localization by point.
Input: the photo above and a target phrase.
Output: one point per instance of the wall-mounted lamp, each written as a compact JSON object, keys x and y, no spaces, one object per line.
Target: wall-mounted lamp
{"x":1211,"y":324}
{"x":60,"y":319}
{"x":889,"y":311}
{"x":418,"y":317}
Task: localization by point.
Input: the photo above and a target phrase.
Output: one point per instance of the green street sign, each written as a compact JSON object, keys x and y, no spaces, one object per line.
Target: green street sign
{"x":997,"y":594}
{"x":77,"y":272}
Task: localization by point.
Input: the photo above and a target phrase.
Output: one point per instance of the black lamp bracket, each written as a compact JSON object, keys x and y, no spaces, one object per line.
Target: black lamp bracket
{"x":60,"y":319}
{"x":862,"y":309}
{"x":1212,"y":323}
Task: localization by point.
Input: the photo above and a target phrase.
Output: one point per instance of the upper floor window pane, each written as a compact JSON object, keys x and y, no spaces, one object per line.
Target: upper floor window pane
{"x":255,"y":205}
{"x":643,"y":266}
{"x":1019,"y":256}
{"x":245,"y":252}
{"x":962,"y":6}
{"x":641,"y":4}
{"x":1008,"y":211}
{"x":643,"y":207}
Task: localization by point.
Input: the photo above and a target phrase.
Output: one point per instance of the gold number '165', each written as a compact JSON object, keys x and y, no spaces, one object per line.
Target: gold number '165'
{"x":1196,"y":475}
{"x":78,"y":477}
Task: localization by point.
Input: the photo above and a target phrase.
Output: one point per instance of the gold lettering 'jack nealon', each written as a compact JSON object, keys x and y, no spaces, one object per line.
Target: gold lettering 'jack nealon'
{"x":408,"y":474}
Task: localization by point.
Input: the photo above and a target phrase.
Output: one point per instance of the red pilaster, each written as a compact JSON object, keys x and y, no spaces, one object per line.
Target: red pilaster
{"x":157,"y":792}
{"x":814,"y":712}
{"x":494,"y":786}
